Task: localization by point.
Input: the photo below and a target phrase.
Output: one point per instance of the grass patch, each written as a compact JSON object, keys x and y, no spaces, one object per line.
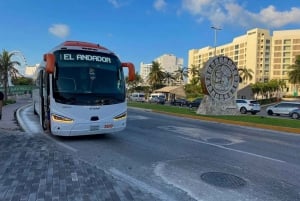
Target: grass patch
{"x":243,"y":119}
{"x":9,"y":101}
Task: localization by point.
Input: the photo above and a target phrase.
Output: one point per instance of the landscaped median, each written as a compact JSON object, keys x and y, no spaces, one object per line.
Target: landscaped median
{"x":257,"y":121}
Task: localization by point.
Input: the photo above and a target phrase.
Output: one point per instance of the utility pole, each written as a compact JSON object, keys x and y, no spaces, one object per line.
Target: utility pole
{"x":215,"y":43}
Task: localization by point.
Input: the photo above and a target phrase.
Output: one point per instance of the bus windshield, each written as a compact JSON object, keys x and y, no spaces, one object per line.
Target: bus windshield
{"x":88,"y":78}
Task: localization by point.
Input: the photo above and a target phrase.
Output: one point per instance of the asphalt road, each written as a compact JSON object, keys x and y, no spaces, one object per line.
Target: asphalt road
{"x":182,"y":159}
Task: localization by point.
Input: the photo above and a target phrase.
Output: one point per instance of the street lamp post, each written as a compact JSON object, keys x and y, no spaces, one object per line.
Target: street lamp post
{"x":215,"y":43}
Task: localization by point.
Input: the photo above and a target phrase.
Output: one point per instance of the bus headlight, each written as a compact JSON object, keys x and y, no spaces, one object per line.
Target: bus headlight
{"x":61,"y":119}
{"x":120,"y":116}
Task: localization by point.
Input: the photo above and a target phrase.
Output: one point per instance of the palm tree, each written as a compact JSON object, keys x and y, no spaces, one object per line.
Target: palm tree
{"x":294,"y":74}
{"x":245,"y":74}
{"x":134,"y":83}
{"x":156,"y":75}
{"x":168,"y":78}
{"x":181,"y":73}
{"x":195,"y":72}
{"x":7,"y":69}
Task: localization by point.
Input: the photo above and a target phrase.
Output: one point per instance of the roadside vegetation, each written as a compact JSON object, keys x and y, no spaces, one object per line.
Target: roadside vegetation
{"x":251,"y":120}
{"x":265,"y":92}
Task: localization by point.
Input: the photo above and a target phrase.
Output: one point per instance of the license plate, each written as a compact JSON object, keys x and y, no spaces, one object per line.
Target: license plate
{"x":94,"y":128}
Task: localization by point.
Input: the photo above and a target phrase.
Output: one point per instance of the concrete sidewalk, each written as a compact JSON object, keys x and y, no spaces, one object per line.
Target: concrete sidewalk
{"x":9,"y":120}
{"x":34,"y":168}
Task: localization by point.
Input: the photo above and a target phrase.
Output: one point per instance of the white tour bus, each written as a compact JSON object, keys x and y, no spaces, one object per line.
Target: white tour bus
{"x":80,"y":90}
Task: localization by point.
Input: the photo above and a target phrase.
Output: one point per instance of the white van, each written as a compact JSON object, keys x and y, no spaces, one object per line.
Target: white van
{"x":157,"y":95}
{"x":139,"y":97}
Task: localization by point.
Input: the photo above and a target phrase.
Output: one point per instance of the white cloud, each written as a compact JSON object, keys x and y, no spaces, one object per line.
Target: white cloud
{"x":159,"y":4}
{"x":228,"y":12}
{"x":59,"y":30}
{"x":276,"y":18}
{"x":196,"y":7}
{"x":115,"y":3}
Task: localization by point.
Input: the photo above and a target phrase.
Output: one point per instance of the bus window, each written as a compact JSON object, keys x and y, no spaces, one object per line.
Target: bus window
{"x":66,"y":84}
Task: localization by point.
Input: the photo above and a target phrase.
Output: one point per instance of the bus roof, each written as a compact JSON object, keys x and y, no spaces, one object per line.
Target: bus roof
{"x":79,"y":45}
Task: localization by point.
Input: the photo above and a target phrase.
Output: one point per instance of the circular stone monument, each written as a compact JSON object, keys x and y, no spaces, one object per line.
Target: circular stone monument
{"x":220,"y":81}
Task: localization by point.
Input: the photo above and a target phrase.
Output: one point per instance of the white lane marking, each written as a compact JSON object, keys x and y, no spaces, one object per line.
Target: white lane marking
{"x":202,"y":134}
{"x":235,"y":150}
{"x":137,"y":117}
{"x":118,"y":174}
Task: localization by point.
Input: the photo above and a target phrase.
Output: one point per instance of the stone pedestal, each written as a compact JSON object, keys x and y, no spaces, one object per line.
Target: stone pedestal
{"x":210,"y":106}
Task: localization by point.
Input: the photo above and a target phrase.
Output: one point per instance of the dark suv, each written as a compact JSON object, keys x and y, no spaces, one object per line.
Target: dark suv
{"x":179,"y":101}
{"x":194,"y":103}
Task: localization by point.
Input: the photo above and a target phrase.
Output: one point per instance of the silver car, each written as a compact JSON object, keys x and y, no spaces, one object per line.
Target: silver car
{"x":295,"y":114}
{"x":282,"y":108}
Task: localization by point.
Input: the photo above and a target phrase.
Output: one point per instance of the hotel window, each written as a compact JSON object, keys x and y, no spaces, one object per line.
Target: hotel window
{"x":286,"y":60}
{"x":278,"y":60}
{"x":296,"y":47}
{"x":278,"y":42}
{"x":266,"y":68}
{"x":277,"y":48}
{"x":277,"y":66}
{"x":276,"y":72}
{"x":296,"y":41}
{"x":296,"y":53}
{"x":287,"y":42}
{"x":277,"y":54}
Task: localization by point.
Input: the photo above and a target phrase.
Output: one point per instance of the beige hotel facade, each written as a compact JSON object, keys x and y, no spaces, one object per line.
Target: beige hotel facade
{"x":268,"y":55}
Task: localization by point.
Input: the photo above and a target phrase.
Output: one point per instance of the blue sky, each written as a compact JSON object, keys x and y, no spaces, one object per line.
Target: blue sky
{"x":137,"y":30}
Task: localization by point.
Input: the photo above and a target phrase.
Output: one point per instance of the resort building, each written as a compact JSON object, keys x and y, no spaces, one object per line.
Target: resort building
{"x":268,"y":56}
{"x":168,"y":62}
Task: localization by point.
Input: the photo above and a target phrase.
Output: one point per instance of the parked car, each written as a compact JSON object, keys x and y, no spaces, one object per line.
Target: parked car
{"x":139,"y":97}
{"x":154,"y":95}
{"x":157,"y":99}
{"x":179,"y":101}
{"x":282,"y":108}
{"x":245,"y":105}
{"x":295,"y":114}
{"x":194,"y":103}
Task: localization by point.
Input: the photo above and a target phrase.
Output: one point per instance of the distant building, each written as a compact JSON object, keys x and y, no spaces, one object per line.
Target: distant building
{"x":268,"y":56}
{"x":168,"y":62}
{"x":30,"y":70}
{"x":144,"y":72}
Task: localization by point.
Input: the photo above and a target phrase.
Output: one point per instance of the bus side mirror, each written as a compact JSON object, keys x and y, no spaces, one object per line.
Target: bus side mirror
{"x":50,"y":62}
{"x":131,"y":70}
